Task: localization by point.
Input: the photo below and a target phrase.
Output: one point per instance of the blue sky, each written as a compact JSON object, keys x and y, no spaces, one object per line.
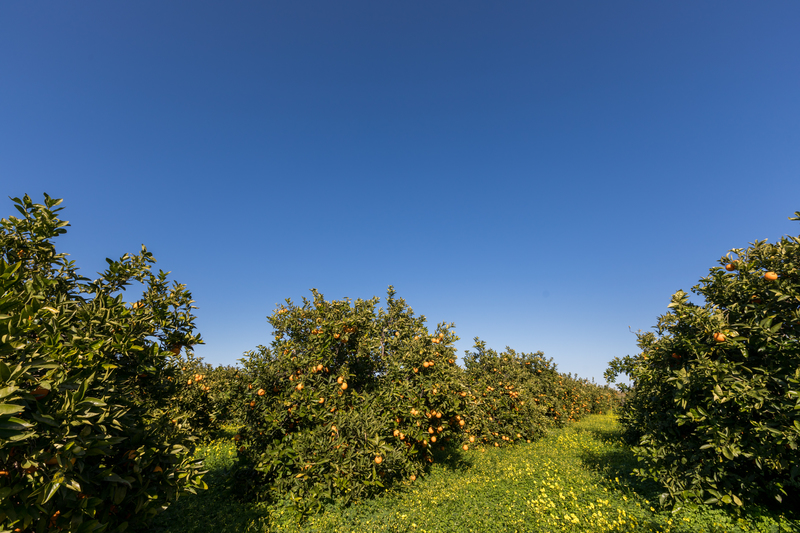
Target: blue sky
{"x":543,"y":174}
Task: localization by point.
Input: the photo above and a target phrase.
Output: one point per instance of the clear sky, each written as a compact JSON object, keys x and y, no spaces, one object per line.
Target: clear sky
{"x":543,"y":174}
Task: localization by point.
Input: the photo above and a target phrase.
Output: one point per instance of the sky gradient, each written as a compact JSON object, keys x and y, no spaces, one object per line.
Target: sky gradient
{"x":543,"y":174}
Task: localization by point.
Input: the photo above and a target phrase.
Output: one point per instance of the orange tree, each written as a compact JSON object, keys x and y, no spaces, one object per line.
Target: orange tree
{"x":714,"y":407}
{"x":517,"y":396}
{"x":505,"y":396}
{"x":85,"y":443}
{"x":210,"y":396}
{"x":347,"y":398}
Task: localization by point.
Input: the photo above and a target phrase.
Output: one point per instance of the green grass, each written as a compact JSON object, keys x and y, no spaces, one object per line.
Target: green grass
{"x":576,"y":479}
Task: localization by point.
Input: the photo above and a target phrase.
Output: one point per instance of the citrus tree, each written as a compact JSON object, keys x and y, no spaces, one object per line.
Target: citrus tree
{"x":505,"y":396}
{"x":515,"y":396}
{"x":714,"y":408}
{"x":347,"y":399}
{"x":86,"y":443}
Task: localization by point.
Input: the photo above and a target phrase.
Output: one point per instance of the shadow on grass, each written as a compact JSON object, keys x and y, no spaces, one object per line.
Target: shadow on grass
{"x":615,"y":463}
{"x":452,"y":460}
{"x":214,"y":509}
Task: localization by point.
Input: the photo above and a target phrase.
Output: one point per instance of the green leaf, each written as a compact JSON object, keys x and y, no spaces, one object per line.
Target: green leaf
{"x":49,"y":490}
{"x":726,"y":451}
{"x":10,"y":409}
{"x":81,"y":392}
{"x":8,"y":391}
{"x":114,"y":478}
{"x":44,"y":419}
{"x":15,"y":424}
{"x":93,"y":402}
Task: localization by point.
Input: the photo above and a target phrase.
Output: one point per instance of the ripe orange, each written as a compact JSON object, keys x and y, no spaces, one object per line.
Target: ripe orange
{"x":261,"y":392}
{"x":771,"y":276}
{"x":40,"y":392}
{"x":322,"y":400}
{"x":433,"y":439}
{"x":413,"y":477}
{"x":339,"y":380}
{"x":465,"y":447}
{"x":299,"y":386}
{"x":378,"y":460}
{"x":158,"y":469}
{"x":719,"y":337}
{"x":730,"y":267}
{"x":344,"y":386}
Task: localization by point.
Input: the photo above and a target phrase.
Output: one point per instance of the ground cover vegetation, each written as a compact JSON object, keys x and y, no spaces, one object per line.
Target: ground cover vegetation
{"x":714,"y":408}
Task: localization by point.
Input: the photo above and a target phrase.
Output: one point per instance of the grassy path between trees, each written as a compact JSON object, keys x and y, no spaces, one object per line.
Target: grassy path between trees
{"x":575,"y":479}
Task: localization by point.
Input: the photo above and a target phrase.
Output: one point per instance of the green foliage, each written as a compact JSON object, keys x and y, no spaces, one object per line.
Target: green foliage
{"x":86,"y":443}
{"x":347,"y":400}
{"x":715,"y":405}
